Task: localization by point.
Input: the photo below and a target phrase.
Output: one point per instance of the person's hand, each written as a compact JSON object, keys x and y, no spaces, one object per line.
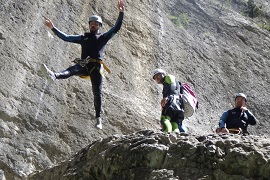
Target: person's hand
{"x":222,"y":131}
{"x":243,"y":108}
{"x":48,"y":23}
{"x":121,"y":6}
{"x":163,"y":102}
{"x":225,"y":131}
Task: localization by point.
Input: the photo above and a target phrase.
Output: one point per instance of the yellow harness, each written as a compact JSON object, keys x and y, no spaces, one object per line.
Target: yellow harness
{"x":84,"y":62}
{"x":235,"y":130}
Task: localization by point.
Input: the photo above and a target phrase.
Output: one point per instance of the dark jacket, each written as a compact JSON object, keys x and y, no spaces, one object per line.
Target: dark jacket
{"x":236,"y":118}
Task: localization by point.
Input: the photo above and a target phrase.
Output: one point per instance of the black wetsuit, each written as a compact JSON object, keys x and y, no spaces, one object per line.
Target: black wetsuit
{"x":92,"y":46}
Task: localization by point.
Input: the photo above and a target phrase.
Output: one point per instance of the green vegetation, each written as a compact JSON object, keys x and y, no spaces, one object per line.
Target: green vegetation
{"x":228,"y":3}
{"x":265,"y":26}
{"x":253,"y":10}
{"x":181,"y":20}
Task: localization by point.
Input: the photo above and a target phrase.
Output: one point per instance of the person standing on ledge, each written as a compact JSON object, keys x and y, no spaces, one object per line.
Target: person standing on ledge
{"x":172,"y":114}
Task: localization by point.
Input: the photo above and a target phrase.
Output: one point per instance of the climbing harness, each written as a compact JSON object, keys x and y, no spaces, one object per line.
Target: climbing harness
{"x":84,"y":62}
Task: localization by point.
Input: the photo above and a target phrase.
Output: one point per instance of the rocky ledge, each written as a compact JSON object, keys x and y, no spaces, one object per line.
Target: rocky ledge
{"x":156,"y":155}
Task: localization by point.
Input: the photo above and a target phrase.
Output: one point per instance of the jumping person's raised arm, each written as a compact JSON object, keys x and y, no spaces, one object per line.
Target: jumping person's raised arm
{"x":60,"y":34}
{"x":121,"y":6}
{"x":108,"y":35}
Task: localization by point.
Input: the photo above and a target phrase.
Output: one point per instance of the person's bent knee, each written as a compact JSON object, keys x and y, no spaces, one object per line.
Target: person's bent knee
{"x":175,"y":127}
{"x":168,"y":125}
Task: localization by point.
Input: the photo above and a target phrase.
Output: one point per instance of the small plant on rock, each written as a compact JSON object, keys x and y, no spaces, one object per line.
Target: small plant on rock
{"x":265,"y":26}
{"x":180,"y":20}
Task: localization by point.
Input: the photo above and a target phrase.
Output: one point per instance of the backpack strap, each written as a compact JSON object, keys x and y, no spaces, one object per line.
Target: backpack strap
{"x":179,"y":90}
{"x":179,"y":87}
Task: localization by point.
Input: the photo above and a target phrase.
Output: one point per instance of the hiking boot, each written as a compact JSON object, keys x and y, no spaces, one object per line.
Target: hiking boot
{"x":99,"y":123}
{"x":46,"y":72}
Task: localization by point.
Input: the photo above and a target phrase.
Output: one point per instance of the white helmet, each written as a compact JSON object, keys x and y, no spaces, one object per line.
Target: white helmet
{"x":158,"y":71}
{"x":95,"y":18}
{"x":240,"y":95}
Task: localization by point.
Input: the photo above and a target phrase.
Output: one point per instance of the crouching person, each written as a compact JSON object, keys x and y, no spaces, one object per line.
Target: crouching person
{"x":236,"y":120}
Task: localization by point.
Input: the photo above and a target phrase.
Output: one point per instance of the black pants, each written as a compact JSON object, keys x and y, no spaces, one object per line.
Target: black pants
{"x":92,"y":69}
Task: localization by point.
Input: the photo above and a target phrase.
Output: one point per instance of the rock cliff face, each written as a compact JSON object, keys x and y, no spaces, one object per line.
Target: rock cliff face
{"x":212,"y":44}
